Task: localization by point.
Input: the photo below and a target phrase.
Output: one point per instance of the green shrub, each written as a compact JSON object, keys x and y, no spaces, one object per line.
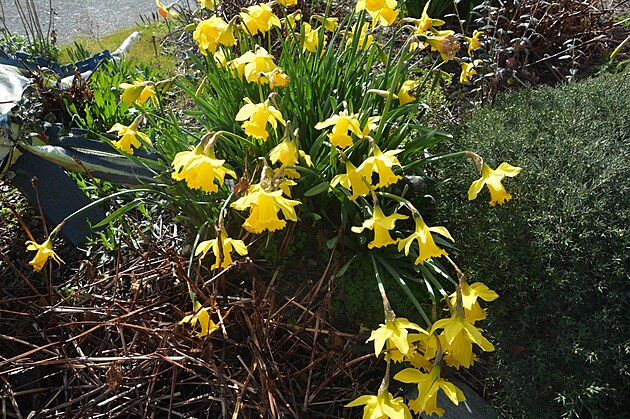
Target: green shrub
{"x":557,"y":254}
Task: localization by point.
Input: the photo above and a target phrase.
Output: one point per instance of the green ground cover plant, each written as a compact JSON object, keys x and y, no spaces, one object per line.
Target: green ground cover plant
{"x":559,"y":256}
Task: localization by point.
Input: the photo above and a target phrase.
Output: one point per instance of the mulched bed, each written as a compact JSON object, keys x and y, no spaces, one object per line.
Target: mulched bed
{"x":104,"y":340}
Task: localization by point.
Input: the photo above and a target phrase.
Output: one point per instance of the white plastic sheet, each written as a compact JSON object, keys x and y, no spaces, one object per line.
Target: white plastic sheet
{"x":12,"y":84}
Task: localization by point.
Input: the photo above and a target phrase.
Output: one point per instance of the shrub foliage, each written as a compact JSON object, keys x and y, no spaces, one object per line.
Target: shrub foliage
{"x":559,"y":256}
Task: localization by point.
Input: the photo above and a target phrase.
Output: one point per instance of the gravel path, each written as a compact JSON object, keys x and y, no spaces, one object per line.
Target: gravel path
{"x":72,"y":18}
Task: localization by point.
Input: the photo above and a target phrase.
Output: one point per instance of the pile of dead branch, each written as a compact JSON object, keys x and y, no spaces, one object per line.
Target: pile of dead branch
{"x":93,"y":342}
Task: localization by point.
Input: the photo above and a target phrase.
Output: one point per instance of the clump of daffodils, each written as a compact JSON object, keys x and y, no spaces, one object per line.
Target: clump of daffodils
{"x":449,"y":341}
{"x":303,"y":120}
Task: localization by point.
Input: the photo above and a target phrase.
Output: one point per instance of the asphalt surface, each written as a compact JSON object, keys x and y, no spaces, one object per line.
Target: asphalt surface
{"x":74,"y":18}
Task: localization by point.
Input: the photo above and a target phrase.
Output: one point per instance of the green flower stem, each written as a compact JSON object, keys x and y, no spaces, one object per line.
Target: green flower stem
{"x":406,"y":289}
{"x":619,"y":48}
{"x":390,"y":97}
{"x":98,"y":202}
{"x":200,"y":232}
{"x":260,"y":93}
{"x":223,"y":209}
{"x":389,"y":313}
{"x":400,"y":199}
{"x":383,"y":388}
{"x":434,"y":159}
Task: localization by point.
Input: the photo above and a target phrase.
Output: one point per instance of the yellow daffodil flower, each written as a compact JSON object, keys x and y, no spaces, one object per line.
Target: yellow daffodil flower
{"x":454,"y":363}
{"x":427,"y":248}
{"x":342,"y":123}
{"x":353,"y":181}
{"x":202,"y":316}
{"x":200,"y":170}
{"x":413,"y":340}
{"x":257,"y":116}
{"x":394,"y":332}
{"x":329,"y":23}
{"x":382,"y":164}
{"x":237,"y":66}
{"x":278,"y":78}
{"x":129,"y":136}
{"x":288,"y":153}
{"x":138,"y":92}
{"x":284,"y":186}
{"x":422,"y":352}
{"x":493,"y":178}
{"x":211,"y":33}
{"x":220,"y":59}
{"x":384,"y":17}
{"x":470,"y":293}
{"x":459,"y":336}
{"x":474,"y":43}
{"x":445,"y":43}
{"x":428,"y":387}
{"x":364,"y":40}
{"x":375,"y":5}
{"x":382,"y":406}
{"x":403,"y":95}
{"x":383,"y":12}
{"x":221,"y":248}
{"x":208,"y":4}
{"x":311,"y":38}
{"x":288,"y":3}
{"x":468,"y":70}
{"x":255,"y":66}
{"x":371,"y":125}
{"x":259,"y":18}
{"x":381,"y":224}
{"x":425,"y":22}
{"x":264,"y":209}
{"x":292,"y":19}
{"x":44,"y":252}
